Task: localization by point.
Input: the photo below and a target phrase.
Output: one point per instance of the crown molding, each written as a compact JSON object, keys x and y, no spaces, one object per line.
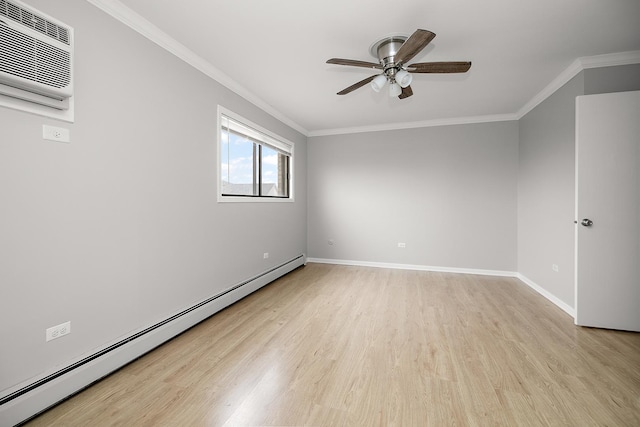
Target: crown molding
{"x":136,"y":22}
{"x":610,"y":59}
{"x":570,"y":72}
{"x":580,"y":64}
{"x":418,"y":124}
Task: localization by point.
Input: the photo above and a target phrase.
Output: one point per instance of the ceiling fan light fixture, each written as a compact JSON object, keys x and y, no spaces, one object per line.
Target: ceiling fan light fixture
{"x":378,"y":83}
{"x":403,"y":78}
{"x":394,"y":89}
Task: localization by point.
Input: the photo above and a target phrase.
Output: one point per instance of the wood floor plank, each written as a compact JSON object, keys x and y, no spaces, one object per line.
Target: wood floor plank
{"x":331,"y":345}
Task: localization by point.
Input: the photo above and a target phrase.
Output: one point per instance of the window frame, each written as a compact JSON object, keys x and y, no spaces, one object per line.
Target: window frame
{"x":284,"y":145}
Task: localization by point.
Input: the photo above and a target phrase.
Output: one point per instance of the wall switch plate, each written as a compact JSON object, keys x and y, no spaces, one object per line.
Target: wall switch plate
{"x":402,"y":245}
{"x":58,"y":134}
{"x":58,"y":331}
{"x":265,"y":255}
{"x":554,"y":267}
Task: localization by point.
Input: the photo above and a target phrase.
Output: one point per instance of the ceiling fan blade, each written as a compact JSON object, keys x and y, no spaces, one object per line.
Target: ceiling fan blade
{"x":414,"y":44}
{"x":439,"y":67}
{"x":354,"y":63}
{"x":406,"y":92}
{"x":357,"y":85}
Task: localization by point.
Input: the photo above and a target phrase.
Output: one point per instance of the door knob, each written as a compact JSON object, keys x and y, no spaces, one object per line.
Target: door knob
{"x":586,"y":222}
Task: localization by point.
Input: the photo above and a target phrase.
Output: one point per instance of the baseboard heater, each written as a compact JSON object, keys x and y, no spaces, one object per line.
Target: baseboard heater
{"x":35,"y":398}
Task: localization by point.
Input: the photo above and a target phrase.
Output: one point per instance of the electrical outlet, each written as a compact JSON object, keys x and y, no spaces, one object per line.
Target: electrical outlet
{"x":58,"y":331}
{"x":402,"y":245}
{"x":57,"y":134}
{"x":265,"y":255}
{"x":554,"y":267}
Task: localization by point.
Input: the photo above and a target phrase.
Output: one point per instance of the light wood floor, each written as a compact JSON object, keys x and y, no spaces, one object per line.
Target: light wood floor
{"x":335,"y":345}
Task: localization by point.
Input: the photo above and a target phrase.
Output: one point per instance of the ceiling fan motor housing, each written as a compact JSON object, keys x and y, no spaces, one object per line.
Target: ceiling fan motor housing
{"x":385,"y":50}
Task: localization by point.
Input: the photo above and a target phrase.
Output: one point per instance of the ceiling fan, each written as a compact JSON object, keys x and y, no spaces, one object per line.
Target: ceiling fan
{"x":393,"y":53}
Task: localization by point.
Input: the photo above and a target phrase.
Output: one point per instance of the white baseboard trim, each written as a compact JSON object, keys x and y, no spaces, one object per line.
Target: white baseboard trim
{"x":548,"y":295}
{"x":414,"y":267}
{"x":46,"y":392}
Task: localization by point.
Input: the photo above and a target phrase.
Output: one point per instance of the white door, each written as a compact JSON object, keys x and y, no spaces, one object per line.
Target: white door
{"x":608,"y":211}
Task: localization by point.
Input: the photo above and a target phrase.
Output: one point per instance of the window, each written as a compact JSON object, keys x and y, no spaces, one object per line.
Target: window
{"x":255,"y":165}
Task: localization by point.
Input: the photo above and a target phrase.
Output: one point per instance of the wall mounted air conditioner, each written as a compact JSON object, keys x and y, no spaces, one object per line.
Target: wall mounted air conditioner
{"x":36,"y":56}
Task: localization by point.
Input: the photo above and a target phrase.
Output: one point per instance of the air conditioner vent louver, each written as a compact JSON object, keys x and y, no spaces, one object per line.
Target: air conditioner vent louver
{"x":31,"y":59}
{"x":34,"y":21}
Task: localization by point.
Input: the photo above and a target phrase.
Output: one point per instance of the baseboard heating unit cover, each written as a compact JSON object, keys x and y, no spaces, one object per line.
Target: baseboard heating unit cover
{"x":34,"y":398}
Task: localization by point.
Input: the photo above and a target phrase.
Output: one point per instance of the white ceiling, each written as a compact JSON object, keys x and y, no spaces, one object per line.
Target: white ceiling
{"x":276,"y":51}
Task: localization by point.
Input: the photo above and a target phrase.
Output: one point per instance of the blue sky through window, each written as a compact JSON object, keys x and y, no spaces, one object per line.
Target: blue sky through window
{"x":237,"y":160}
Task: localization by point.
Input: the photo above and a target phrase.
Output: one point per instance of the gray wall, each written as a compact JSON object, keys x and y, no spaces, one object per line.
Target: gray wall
{"x":121,"y":228}
{"x":448,"y":192}
{"x":612,"y":79}
{"x":546,"y":192}
{"x":493,"y":196}
{"x":546,"y":179}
